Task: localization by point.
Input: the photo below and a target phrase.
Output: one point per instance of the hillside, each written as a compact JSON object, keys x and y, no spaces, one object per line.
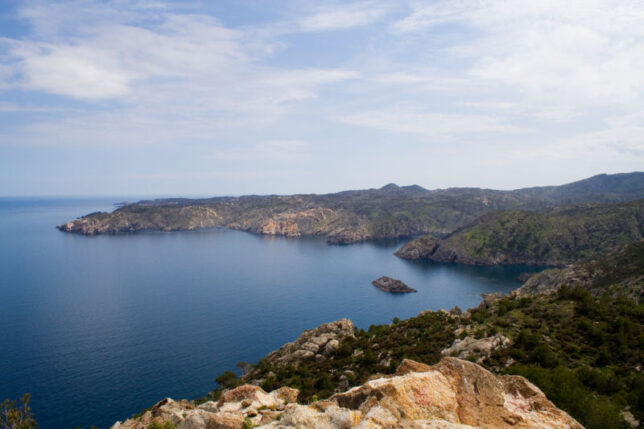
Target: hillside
{"x":557,"y":237}
{"x":619,"y":274}
{"x":583,"y":352}
{"x":351,"y":216}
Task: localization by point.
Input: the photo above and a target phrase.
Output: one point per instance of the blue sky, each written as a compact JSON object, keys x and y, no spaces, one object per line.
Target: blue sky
{"x":119,"y":97}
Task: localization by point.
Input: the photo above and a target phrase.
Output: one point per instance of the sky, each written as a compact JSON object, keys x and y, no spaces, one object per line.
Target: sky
{"x":229,"y":97}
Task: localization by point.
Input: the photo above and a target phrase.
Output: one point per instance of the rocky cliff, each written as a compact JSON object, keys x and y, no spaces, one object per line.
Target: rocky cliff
{"x":352,"y":216}
{"x":557,"y":237}
{"x":451,"y":394}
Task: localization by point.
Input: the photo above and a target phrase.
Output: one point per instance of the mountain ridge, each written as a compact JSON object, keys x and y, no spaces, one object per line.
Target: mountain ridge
{"x":391,"y":211}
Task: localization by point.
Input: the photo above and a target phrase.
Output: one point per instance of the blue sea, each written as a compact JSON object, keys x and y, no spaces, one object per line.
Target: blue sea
{"x":98,"y":328}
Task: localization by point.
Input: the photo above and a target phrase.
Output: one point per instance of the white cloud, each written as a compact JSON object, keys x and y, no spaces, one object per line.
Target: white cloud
{"x":575,"y":52}
{"x":273,"y":150}
{"x":180,"y":77}
{"x":342,"y":17}
{"x":430,"y":124}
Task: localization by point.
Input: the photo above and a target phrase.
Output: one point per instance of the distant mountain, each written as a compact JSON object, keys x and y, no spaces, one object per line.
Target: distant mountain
{"x":347,"y":217}
{"x":601,"y":188}
{"x":558,"y":237}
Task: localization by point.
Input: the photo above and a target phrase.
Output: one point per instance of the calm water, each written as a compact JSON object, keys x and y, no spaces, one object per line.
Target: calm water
{"x":97,"y":328}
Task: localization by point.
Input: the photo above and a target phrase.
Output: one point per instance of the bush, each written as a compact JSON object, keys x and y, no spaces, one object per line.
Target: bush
{"x":228,"y":380}
{"x":164,"y":425}
{"x":14,"y":416}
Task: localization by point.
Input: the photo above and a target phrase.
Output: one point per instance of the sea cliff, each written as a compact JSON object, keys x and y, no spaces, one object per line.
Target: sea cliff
{"x":353,"y":216}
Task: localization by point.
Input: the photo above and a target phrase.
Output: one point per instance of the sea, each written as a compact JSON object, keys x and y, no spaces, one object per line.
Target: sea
{"x":97,"y":328}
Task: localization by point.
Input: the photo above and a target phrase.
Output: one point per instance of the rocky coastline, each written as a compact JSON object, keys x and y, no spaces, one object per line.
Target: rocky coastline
{"x":372,"y":389}
{"x":391,"y":212}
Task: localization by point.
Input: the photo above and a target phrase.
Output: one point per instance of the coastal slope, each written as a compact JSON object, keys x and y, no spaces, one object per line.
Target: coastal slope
{"x":618,"y":274}
{"x":558,"y":237}
{"x":351,"y":216}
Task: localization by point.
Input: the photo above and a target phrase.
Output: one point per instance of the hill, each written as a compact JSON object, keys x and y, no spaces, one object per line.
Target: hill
{"x":618,"y":274}
{"x":557,"y":237}
{"x":346,"y":217}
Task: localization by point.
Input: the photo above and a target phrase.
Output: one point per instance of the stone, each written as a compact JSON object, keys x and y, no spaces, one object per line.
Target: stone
{"x":309,"y":344}
{"x":478,"y":348}
{"x":453,"y":394}
{"x":387,"y":284}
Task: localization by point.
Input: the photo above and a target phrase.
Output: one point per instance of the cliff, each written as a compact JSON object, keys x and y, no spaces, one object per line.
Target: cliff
{"x":451,"y":394}
{"x":558,"y":237}
{"x":352,"y":216}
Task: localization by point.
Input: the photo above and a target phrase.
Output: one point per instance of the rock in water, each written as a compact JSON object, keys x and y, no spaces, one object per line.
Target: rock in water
{"x":388,"y":284}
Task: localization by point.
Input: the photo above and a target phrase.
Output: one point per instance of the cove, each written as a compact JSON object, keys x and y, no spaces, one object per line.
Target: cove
{"x":98,"y":328}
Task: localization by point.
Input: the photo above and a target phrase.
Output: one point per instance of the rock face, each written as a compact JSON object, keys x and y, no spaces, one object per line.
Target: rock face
{"x":470,"y":346}
{"x":453,"y":394}
{"x":318,"y":343}
{"x":390,"y":285}
{"x":287,"y":228}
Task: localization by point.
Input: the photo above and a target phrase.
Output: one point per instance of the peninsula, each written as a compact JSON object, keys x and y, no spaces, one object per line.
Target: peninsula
{"x":353,"y":216}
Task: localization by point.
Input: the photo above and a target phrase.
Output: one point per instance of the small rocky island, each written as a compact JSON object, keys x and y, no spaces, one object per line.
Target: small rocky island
{"x":390,"y":285}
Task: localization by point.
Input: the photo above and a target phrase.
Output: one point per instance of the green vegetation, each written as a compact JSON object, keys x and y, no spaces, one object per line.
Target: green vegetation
{"x":17,"y":416}
{"x":557,"y":237}
{"x":345,"y":217}
{"x":620,"y":273}
{"x":581,"y":350}
{"x":164,"y":425}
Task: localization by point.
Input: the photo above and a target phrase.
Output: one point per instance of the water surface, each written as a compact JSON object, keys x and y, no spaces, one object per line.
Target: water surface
{"x":97,"y":328}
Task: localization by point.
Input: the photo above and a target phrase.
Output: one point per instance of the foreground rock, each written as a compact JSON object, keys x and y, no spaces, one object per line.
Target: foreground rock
{"x":390,"y":285}
{"x":316,"y":343}
{"x":451,"y":394}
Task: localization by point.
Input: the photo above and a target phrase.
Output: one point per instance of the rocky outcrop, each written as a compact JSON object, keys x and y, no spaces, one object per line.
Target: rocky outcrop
{"x":286,"y":227}
{"x":451,"y":394}
{"x":479,"y":349}
{"x":128,"y":219}
{"x":246,"y":403}
{"x":387,"y":284}
{"x":421,"y":248}
{"x":316,"y":343}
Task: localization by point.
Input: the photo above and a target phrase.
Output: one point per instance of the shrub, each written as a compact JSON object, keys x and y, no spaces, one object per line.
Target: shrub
{"x":17,"y":416}
{"x":228,"y":380}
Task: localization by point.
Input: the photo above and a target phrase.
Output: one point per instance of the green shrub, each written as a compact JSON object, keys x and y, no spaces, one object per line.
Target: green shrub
{"x":13,"y":416}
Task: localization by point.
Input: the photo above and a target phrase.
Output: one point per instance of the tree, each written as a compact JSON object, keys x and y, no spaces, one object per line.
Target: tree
{"x":14,"y":416}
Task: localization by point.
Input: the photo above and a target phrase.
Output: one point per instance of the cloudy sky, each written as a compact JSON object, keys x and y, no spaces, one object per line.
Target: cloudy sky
{"x":138,"y":97}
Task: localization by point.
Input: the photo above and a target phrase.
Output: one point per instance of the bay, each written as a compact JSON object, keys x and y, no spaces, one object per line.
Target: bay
{"x":98,"y":328}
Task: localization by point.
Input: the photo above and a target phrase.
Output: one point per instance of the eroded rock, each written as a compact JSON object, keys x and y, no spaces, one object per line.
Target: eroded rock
{"x":451,"y":394}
